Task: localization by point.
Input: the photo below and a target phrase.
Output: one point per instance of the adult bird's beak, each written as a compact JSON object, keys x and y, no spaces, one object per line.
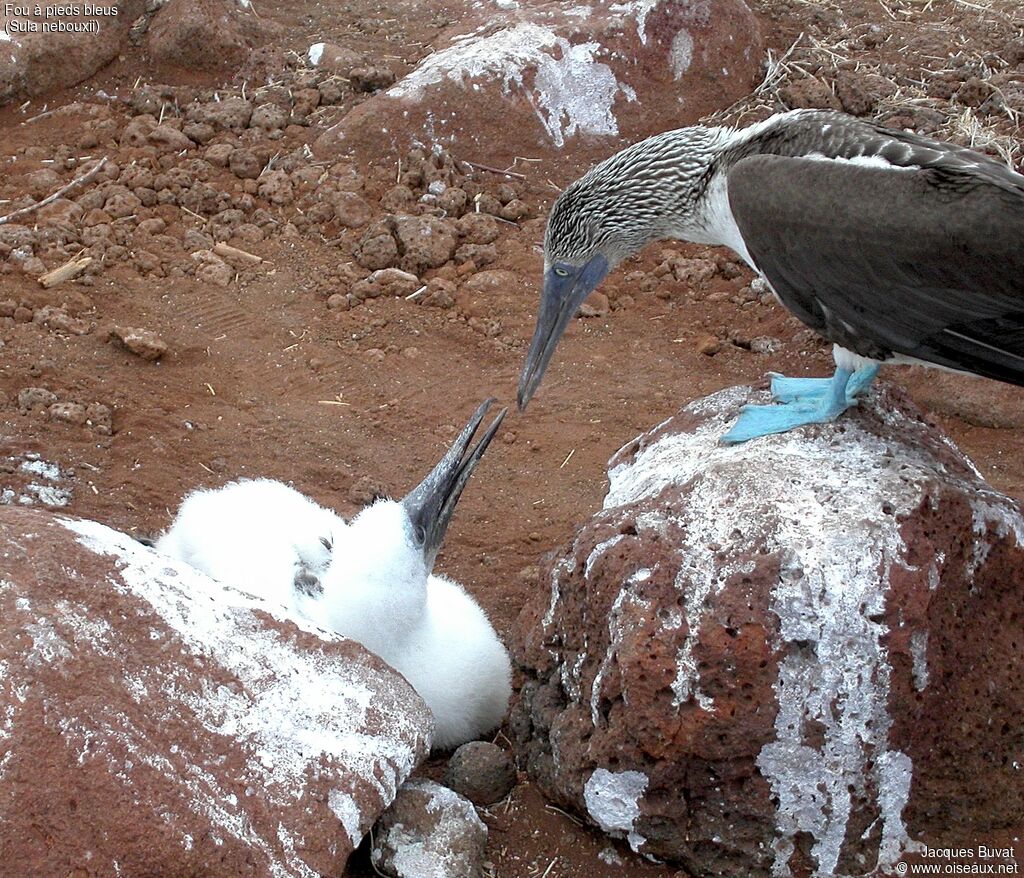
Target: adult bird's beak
{"x":560,"y":300}
{"x":431,"y":503}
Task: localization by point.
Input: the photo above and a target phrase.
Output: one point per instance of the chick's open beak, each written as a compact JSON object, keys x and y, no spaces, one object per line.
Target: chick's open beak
{"x":430,"y":504}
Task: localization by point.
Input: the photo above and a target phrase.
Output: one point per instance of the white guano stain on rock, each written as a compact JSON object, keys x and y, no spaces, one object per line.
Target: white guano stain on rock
{"x":919,"y":658}
{"x":572,"y":92}
{"x":347,"y":811}
{"x":315,"y":53}
{"x":638,"y":9}
{"x":613,"y":802}
{"x":624,"y":602}
{"x":288,"y":724}
{"x":680,"y":55}
{"x":837,"y":548}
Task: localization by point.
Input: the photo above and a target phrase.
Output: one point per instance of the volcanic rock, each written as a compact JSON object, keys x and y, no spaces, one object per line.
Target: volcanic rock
{"x":203,"y":34}
{"x":482,"y":772}
{"x":33,"y":63}
{"x":789,"y":655}
{"x":563,"y":78}
{"x":158,"y":723}
{"x":143,"y":343}
{"x":429,"y":832}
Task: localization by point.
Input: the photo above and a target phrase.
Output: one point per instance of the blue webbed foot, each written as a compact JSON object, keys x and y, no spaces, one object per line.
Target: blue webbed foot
{"x":791,"y":389}
{"x":804,"y":401}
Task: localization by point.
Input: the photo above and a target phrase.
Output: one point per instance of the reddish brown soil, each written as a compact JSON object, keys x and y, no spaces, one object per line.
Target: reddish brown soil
{"x":262,"y":379}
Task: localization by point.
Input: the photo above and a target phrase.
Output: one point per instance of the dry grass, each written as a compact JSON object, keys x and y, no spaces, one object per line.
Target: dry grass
{"x":905,"y":85}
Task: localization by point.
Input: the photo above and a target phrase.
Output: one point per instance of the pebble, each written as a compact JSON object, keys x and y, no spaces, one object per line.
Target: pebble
{"x":143,"y":343}
{"x":482,"y":772}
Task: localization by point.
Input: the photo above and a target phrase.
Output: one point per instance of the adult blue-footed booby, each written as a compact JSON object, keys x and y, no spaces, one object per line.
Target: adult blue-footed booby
{"x":369,"y":579}
{"x":894,"y":247}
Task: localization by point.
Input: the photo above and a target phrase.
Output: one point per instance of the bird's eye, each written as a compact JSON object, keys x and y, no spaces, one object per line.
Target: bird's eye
{"x":561,"y":272}
{"x":420,"y":534}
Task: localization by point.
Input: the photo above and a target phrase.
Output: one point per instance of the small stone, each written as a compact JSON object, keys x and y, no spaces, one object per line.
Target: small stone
{"x":370,"y":79}
{"x":216,"y":272}
{"x":398,"y":199}
{"x":440,"y":294}
{"x":219,"y":155}
{"x":514,"y":211}
{"x":276,"y":187}
{"x":478,"y":228}
{"x":424,"y":242}
{"x":168,"y":139}
{"x":99,"y":417}
{"x":482,"y":772}
{"x":351,"y":209}
{"x":596,"y":305}
{"x":487,"y":203}
{"x":268,"y":117}
{"x":765,"y":344}
{"x":708,"y":345}
{"x":366,"y":490}
{"x":58,"y":320}
{"x":377,"y":248}
{"x":142,"y":342}
{"x":333,"y":58}
{"x":480,"y":255}
{"x":199,"y":132}
{"x":42,"y":182}
{"x":68,"y":413}
{"x":429,"y":830}
{"x":245,"y":164}
{"x":228,"y":113}
{"x":338,"y":302}
{"x":31,"y":399}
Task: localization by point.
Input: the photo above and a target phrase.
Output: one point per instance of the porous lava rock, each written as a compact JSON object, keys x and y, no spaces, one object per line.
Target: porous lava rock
{"x":203,"y":34}
{"x":551,"y":75}
{"x":155,"y":722}
{"x":33,"y":62}
{"x":482,"y":772}
{"x":786,"y":656}
{"x":429,"y":832}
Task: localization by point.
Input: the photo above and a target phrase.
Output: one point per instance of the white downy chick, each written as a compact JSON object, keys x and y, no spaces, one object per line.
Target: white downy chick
{"x":379,"y":590}
{"x":260,"y":536}
{"x":369,"y":580}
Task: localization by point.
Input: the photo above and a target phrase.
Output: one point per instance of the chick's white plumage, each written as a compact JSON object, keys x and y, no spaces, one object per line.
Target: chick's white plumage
{"x":258,"y":535}
{"x":368,"y":579}
{"x":380,"y":592}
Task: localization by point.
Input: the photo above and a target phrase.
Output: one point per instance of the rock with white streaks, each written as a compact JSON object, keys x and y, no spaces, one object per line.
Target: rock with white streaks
{"x":154,"y":722}
{"x":429,"y":832}
{"x":552,"y":75}
{"x":788,"y":656}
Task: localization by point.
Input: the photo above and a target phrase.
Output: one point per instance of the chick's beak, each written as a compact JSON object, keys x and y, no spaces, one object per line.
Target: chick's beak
{"x":430,"y":504}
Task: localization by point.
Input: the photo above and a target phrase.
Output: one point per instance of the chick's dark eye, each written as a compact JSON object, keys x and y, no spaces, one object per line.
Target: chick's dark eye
{"x":420,"y":535}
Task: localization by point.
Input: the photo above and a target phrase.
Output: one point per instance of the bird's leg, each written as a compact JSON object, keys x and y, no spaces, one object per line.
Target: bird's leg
{"x":795,"y":389}
{"x":807,"y":401}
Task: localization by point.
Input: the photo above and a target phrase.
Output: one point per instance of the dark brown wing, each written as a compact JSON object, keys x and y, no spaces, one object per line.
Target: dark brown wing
{"x":926,"y":263}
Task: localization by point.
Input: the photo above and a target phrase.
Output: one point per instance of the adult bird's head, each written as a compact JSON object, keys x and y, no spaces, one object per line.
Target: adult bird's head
{"x":647,"y":191}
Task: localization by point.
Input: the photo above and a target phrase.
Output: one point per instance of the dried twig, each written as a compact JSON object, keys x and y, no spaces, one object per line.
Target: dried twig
{"x":68,"y":270}
{"x":480,"y":167}
{"x":78,"y":181}
{"x":229,"y":252}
